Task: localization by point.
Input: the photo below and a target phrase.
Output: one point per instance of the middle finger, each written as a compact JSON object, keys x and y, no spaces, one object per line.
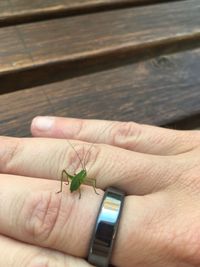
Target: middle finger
{"x":134,"y":172}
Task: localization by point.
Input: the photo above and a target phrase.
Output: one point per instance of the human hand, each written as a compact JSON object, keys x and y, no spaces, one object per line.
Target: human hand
{"x":158,"y":169}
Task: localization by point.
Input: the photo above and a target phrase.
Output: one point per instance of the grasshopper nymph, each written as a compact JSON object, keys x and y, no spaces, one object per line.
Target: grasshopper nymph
{"x":81,"y":177}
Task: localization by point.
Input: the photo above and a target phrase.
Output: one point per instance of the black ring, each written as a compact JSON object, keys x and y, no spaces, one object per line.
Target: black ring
{"x":105,"y":229}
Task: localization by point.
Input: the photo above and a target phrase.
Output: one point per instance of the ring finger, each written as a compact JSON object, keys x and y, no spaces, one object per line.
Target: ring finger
{"x":148,"y":234}
{"x":31,"y":212}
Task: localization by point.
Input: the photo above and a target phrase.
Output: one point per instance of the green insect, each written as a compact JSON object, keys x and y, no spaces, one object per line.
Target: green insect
{"x":82,"y":176}
{"x":77,"y":179}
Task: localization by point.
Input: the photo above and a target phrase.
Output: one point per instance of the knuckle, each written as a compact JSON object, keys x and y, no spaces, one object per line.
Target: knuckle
{"x":80,"y":156}
{"x":68,"y":157}
{"x":13,"y":149}
{"x":188,"y":173}
{"x":81,"y":125}
{"x":188,"y":140}
{"x":194,"y":137}
{"x":76,"y":156}
{"x":76,"y":131}
{"x":92,"y":155}
{"x":191,"y":183}
{"x":71,"y":157}
{"x":125,"y":134}
{"x":186,"y":243}
{"x":42,"y":261}
{"x":45,"y":214}
{"x":46,"y":258}
{"x":178,"y":234}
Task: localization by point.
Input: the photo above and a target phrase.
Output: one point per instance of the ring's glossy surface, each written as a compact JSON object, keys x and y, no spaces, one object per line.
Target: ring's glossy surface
{"x":106,"y":228}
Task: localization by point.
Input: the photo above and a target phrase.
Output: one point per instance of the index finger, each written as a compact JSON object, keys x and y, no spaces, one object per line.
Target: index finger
{"x":129,"y":135}
{"x":108,"y":165}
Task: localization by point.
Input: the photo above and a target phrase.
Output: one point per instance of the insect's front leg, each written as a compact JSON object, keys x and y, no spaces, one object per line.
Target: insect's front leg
{"x":62,"y":179}
{"x":92,"y":182}
{"x":79,"y":190}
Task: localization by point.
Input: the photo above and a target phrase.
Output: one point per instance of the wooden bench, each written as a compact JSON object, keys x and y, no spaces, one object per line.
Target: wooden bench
{"x":110,"y":59}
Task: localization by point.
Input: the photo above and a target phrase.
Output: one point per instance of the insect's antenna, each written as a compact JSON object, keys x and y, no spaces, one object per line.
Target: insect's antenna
{"x":96,"y":140}
{"x":82,"y":165}
{"x":54,"y":113}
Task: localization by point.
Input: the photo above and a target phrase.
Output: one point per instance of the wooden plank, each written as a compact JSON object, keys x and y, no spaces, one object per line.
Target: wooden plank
{"x":16,"y":11}
{"x":160,"y":91}
{"x":77,"y":39}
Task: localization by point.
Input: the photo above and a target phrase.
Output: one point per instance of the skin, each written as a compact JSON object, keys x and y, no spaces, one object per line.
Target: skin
{"x":159,"y":169}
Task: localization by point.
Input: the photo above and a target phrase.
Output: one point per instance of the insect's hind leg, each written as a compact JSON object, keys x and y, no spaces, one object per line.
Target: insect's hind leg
{"x":92,"y":182}
{"x":62,"y":179}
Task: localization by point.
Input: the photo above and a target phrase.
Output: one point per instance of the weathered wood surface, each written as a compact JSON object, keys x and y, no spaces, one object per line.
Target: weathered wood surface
{"x":140,"y":64}
{"x":101,"y":35}
{"x":16,"y":11}
{"x":162,"y":90}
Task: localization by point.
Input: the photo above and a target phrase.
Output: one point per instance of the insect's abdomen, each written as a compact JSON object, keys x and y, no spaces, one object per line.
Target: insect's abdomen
{"x":75,"y":184}
{"x":77,"y":180}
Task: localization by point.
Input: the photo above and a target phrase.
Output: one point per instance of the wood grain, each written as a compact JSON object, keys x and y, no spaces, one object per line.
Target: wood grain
{"x":162,"y":91}
{"x":17,"y":11}
{"x":115,"y":33}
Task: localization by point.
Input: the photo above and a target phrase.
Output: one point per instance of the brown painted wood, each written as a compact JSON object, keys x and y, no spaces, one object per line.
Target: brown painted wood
{"x":162,"y":90}
{"x":105,"y":35}
{"x":16,"y":11}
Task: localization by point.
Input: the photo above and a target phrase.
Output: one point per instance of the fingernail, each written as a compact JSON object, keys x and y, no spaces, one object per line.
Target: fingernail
{"x":43,"y":123}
